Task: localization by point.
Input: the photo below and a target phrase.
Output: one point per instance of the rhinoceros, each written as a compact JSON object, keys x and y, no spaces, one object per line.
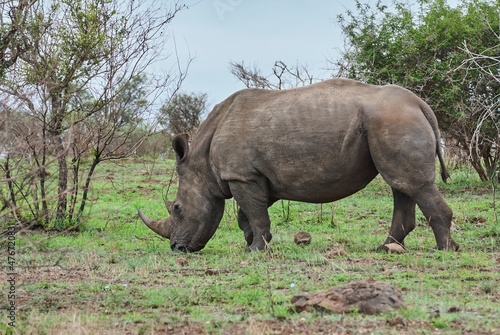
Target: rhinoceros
{"x":318,"y":143}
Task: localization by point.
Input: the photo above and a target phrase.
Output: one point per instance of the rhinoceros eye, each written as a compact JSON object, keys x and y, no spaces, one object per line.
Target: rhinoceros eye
{"x":177,"y":209}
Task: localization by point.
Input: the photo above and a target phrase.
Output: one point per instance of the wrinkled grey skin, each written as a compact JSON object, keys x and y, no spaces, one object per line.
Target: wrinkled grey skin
{"x":316,"y":144}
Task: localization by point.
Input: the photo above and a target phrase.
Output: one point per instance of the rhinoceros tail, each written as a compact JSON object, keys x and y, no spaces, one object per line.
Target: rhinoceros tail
{"x":444,"y":171}
{"x":431,"y":117}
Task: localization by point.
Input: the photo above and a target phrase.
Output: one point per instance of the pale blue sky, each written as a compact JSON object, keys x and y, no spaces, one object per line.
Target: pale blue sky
{"x":258,"y":32}
{"x":216,"y":32}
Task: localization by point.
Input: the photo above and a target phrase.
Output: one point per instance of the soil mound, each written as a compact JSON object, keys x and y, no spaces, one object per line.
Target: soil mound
{"x":367,"y":296}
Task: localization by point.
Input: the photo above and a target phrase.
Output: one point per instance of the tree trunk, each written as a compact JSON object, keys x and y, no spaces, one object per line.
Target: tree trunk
{"x":36,"y":202}
{"x":57,"y":136}
{"x":490,"y":159}
{"x":74,"y":190}
{"x":475,"y":160}
{"x":43,"y":175}
{"x":62,"y":200}
{"x":96,"y":161}
{"x":11,"y":189}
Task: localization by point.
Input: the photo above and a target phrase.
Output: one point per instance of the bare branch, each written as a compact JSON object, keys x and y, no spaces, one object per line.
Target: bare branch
{"x":284,"y":75}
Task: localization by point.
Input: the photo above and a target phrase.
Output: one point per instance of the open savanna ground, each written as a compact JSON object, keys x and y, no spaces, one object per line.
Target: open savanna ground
{"x":114,"y":276}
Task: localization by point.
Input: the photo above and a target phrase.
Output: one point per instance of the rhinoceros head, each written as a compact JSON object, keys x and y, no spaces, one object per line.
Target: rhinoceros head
{"x":195,"y":213}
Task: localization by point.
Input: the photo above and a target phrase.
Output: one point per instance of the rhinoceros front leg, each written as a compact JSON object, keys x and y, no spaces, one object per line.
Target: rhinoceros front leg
{"x":253,"y":199}
{"x":403,"y":219}
{"x":245,"y":226}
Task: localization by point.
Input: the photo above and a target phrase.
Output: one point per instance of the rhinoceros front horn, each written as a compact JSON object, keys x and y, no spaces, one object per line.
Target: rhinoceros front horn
{"x":161,"y":227}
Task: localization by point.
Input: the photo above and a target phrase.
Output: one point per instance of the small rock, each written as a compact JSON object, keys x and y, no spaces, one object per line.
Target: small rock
{"x":181,"y":261}
{"x":478,"y":219}
{"x":212,"y":272}
{"x":398,"y":322}
{"x":338,"y":252}
{"x":387,"y":273}
{"x":393,"y":248}
{"x":302,"y":237}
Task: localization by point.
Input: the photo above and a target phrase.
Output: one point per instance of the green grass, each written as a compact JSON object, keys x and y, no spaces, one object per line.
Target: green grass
{"x":114,"y":276}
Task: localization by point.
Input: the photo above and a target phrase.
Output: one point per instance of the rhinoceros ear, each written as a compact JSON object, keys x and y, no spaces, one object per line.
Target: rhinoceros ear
{"x":181,"y":147}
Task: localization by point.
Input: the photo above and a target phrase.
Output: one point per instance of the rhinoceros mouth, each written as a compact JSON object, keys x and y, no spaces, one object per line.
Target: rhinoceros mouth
{"x":176,"y":247}
{"x":179,"y":247}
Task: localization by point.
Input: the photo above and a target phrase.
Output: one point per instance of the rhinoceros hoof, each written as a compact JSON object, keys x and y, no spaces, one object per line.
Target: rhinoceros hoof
{"x":450,"y":247}
{"x":367,"y":296}
{"x":255,"y":249}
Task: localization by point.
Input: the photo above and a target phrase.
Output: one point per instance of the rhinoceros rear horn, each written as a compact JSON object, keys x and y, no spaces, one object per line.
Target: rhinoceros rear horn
{"x":161,"y":227}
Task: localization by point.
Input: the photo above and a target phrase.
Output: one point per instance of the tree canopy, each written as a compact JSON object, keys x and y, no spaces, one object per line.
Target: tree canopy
{"x":184,"y":112}
{"x":422,"y":46}
{"x":74,"y":77}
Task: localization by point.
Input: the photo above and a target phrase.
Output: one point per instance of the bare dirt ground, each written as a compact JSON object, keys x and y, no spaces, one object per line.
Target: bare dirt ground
{"x":44,"y":275}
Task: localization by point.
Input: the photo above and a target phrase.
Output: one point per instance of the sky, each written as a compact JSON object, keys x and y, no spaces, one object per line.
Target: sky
{"x":257,"y":32}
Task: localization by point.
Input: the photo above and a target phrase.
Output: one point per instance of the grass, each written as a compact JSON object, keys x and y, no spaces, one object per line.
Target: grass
{"x":114,"y":276}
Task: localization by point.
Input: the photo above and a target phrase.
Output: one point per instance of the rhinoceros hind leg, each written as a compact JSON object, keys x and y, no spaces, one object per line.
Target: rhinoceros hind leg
{"x":403,"y":219}
{"x":438,"y":214}
{"x":403,"y":148}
